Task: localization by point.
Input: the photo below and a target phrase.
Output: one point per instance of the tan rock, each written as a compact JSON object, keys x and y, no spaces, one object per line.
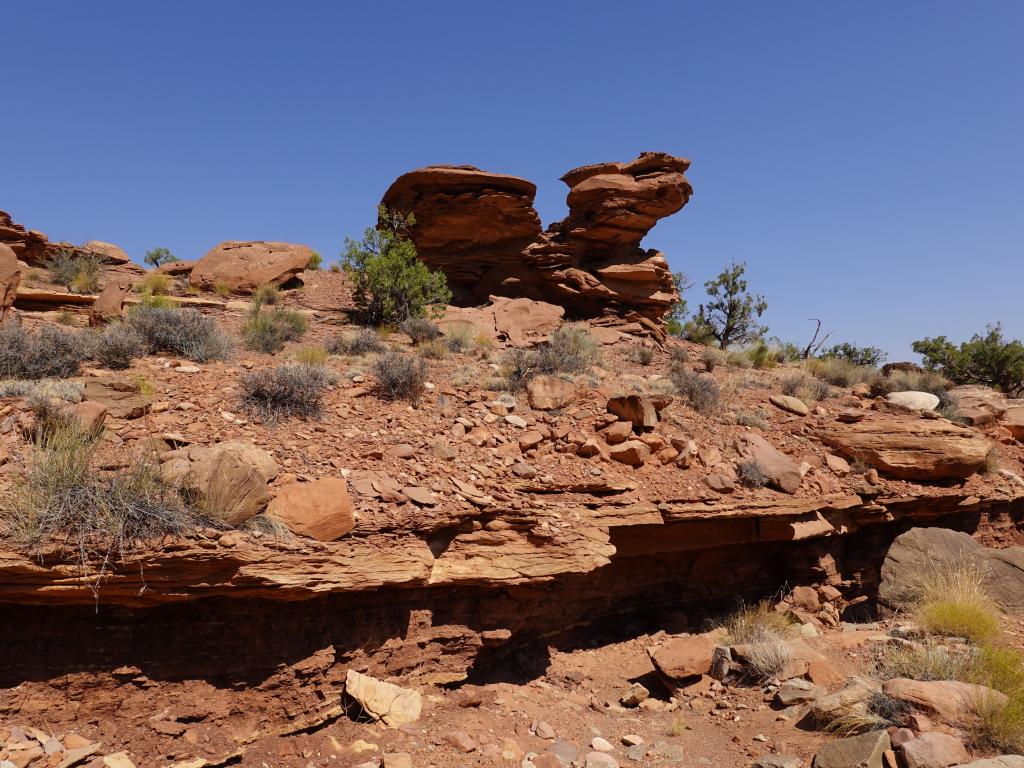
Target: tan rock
{"x":120,"y":395}
{"x":837,"y":464}
{"x":1014,"y":422}
{"x":109,"y":305}
{"x":955,"y":702}
{"x":10,"y":279}
{"x":910,"y":448}
{"x":632,"y":452}
{"x":546,"y":393}
{"x":388,"y":703}
{"x":243,"y":266}
{"x":524,"y":322}
{"x":682,"y":659}
{"x":229,"y":480}
{"x":789,"y":404}
{"x":934,"y":750}
{"x":617,"y":432}
{"x":321,"y":509}
{"x":637,"y":410}
{"x":782,"y":472}
{"x":88,"y":414}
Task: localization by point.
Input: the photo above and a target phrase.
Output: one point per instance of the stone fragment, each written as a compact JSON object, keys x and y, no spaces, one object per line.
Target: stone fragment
{"x":637,"y":410}
{"x":388,"y":703}
{"x":321,"y":509}
{"x":632,"y":452}
{"x":782,"y":472}
{"x":243,"y":266}
{"x":546,"y":393}
{"x":955,"y":702}
{"x":917,"y":401}
{"x":863,"y":751}
{"x":617,"y":432}
{"x":634,"y":695}
{"x":934,"y":750}
{"x":789,"y":404}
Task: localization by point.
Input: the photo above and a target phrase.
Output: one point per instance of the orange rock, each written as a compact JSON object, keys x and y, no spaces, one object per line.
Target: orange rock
{"x":321,"y":509}
{"x":243,"y":266}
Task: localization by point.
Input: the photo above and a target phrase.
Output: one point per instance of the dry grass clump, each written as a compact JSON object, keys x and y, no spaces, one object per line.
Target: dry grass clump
{"x":640,"y":354}
{"x":461,"y":336}
{"x":435,"y":349}
{"x":153,"y":285}
{"x":365,"y":341}
{"x":118,"y":346}
{"x":711,"y":358}
{"x":266,"y":295}
{"x":764,"y":632}
{"x":399,"y":376}
{"x":420,"y":330}
{"x":269,"y":331}
{"x":311,"y":354}
{"x":751,"y":475}
{"x":183,"y":332}
{"x":100,"y":513}
{"x":701,"y":392}
{"x":908,"y":381}
{"x":806,"y":388}
{"x":952,"y":600}
{"x":79,"y":273}
{"x":925,"y":661}
{"x":47,"y":353}
{"x":838,"y":372}
{"x":570,"y":349}
{"x":754,"y":419}
{"x":271,"y":394}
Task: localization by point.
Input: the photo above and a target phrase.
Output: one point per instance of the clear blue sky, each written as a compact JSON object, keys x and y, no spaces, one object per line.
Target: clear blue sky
{"x":864,"y":159}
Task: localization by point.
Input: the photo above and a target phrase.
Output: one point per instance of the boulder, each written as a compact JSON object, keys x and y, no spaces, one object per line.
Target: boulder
{"x":244,"y":265}
{"x":955,"y":702}
{"x":546,"y":393}
{"x":229,"y":480}
{"x":637,"y":410}
{"x":632,"y":452}
{"x":920,"y":551}
{"x":978,"y":404}
{"x":1014,"y":422}
{"x":10,"y":279}
{"x":175,"y":268}
{"x":109,"y":305}
{"x":934,"y":750}
{"x":111,"y":254}
{"x":782,"y":472}
{"x":915,"y":401}
{"x":682,"y":659}
{"x":385,"y":702}
{"x":321,"y":509}
{"x":910,"y":448}
{"x":524,"y":322}
{"x":864,"y":751}
{"x":89,"y":415}
{"x":482,"y":231}
{"x":1002,"y":761}
{"x":120,"y":395}
{"x":789,"y":404}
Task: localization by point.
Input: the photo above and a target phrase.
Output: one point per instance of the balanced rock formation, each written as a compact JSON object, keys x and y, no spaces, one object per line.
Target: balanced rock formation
{"x":243,"y":265}
{"x":482,"y":231}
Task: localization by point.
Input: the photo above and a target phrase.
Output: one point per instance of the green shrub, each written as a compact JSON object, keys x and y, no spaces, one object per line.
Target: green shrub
{"x":365,"y":341}
{"x":990,"y":360}
{"x":315,"y":261}
{"x":461,"y":336}
{"x":763,"y":356}
{"x":838,"y":372}
{"x":118,"y":346}
{"x":869,"y":357}
{"x":153,"y":285}
{"x":268,"y":331}
{"x":158,"y":256}
{"x":266,"y":295}
{"x":729,"y":316}
{"x":271,"y":394}
{"x":908,"y":381}
{"x":78,"y":272}
{"x":751,"y":475}
{"x":640,"y":354}
{"x":45,"y":353}
{"x":518,"y":366}
{"x":399,"y":376}
{"x":701,"y":392}
{"x":952,"y":600}
{"x":420,"y":329}
{"x":183,"y":332}
{"x":570,"y":349}
{"x":738,"y":359}
{"x":391,"y":283}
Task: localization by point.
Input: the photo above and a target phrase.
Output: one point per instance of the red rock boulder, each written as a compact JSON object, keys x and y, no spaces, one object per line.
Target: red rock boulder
{"x":243,"y":266}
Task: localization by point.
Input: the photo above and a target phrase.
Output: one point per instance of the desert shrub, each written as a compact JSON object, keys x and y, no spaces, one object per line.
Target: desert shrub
{"x":701,"y":392}
{"x":754,"y":419}
{"x":763,"y":356}
{"x":806,"y":388}
{"x":570,"y":349}
{"x":990,"y":360}
{"x":710,"y":358}
{"x":158,"y":256}
{"x":45,"y":353}
{"x":118,"y":346}
{"x":420,"y":329}
{"x":518,"y":366}
{"x":838,"y":372}
{"x":952,"y":600}
{"x":63,"y":495}
{"x":731,"y":312}
{"x":154,"y":285}
{"x":78,"y":272}
{"x":738,"y":359}
{"x":908,"y":381}
{"x":678,"y":355}
{"x":640,"y":354}
{"x":391,"y":283}
{"x":271,"y":394}
{"x":310,"y":355}
{"x":53,"y":389}
{"x":268,"y":331}
{"x":399,"y":376}
{"x":924,"y":661}
{"x":315,"y":261}
{"x":764,"y":631}
{"x":266,"y":295}
{"x":751,"y":475}
{"x":183,"y":332}
{"x":365,"y":341}
{"x":461,"y":336}
{"x":221,"y":289}
{"x":869,"y":357}
{"x":435,"y":349}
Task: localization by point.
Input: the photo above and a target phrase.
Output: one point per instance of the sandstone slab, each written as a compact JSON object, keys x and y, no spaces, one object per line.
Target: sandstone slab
{"x":244,"y":265}
{"x":321,"y":509}
{"x":383,"y":701}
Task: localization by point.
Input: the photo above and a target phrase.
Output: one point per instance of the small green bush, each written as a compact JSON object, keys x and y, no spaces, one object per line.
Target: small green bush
{"x":986,"y":359}
{"x":838,"y":372}
{"x":183,"y":332}
{"x":710,"y":358}
{"x":118,"y":346}
{"x":460,"y":336}
{"x":399,"y":376}
{"x":153,"y":285}
{"x":268,"y":331}
{"x":868,"y":357}
{"x":570,"y":349}
{"x":365,"y":341}
{"x":78,"y":272}
{"x":271,"y":394}
{"x":420,"y":329}
{"x":701,"y":392}
{"x":908,"y":381}
{"x":751,"y":475}
{"x":266,"y":295}
{"x":640,"y":354}
{"x":315,"y":261}
{"x":45,"y":353}
{"x":158,"y":256}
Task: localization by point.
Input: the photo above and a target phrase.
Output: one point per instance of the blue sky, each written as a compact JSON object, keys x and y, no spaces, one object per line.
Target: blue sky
{"x":864,"y":159}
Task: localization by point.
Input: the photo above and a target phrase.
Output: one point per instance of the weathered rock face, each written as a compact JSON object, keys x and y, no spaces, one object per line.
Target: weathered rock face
{"x":910,"y":448}
{"x":10,"y":278}
{"x":110,"y":303}
{"x":28,"y":245}
{"x":243,"y":266}
{"x":481,"y":229}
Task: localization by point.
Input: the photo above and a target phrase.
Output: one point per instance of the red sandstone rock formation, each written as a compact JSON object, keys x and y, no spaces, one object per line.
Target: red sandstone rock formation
{"x":481,"y":229}
{"x":243,"y":266}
